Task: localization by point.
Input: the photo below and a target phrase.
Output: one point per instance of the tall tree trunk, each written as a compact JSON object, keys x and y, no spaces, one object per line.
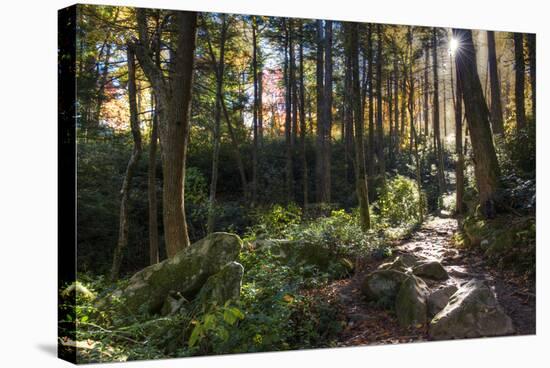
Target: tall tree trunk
{"x":347,"y":117}
{"x":360,"y":169}
{"x":520,"y":80}
{"x":319,"y":148}
{"x":532,"y":50}
{"x":174,"y":100}
{"x":497,"y":121}
{"x":390,"y":118}
{"x":303,"y":128}
{"x":414,"y":134}
{"x":218,"y":69}
{"x":293,"y":86}
{"x":289,"y":179}
{"x":487,"y":170}
{"x":379,"y":122}
{"x":328,"y":112}
{"x":256,"y":108}
{"x":152,"y":167}
{"x":396,"y":104}
{"x":437,"y":132}
{"x":457,"y":100}
{"x":370,"y":147}
{"x":132,"y":163}
{"x":426,"y":89}
{"x":152,"y":192}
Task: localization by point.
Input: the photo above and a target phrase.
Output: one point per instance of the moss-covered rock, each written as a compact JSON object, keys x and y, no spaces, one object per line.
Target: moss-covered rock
{"x":431,"y":270}
{"x":382,"y":284}
{"x":223,"y":286}
{"x":411,"y":302}
{"x":473,"y":311}
{"x":185,"y":273}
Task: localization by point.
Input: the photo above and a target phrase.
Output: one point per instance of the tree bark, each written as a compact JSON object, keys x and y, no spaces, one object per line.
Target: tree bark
{"x":218,"y":69}
{"x":256,"y":108}
{"x":520,"y":81}
{"x":152,"y":192}
{"x":370,"y":147}
{"x":174,"y":100}
{"x":289,"y":178}
{"x":437,"y":132}
{"x":457,"y":99}
{"x":319,"y":148}
{"x":327,"y":150}
{"x":379,"y":122}
{"x":497,"y":121}
{"x":352,"y":48}
{"x":486,"y":166}
{"x":303,"y":128}
{"x":532,"y":50}
{"x":124,"y":225}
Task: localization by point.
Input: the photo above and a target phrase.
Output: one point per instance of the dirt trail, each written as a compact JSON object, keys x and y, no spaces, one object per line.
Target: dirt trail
{"x":368,"y":324}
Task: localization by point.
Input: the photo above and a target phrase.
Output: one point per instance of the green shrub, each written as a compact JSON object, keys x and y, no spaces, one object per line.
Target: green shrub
{"x":398,"y":203}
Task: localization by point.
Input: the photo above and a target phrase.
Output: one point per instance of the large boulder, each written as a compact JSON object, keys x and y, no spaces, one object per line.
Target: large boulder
{"x":223,"y":286}
{"x":431,"y":270}
{"x":439,"y":299}
{"x":382,"y":285}
{"x":411,"y":302}
{"x":473,"y":311}
{"x":185,"y":273}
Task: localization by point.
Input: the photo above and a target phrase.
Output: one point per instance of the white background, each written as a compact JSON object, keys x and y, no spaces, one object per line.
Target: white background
{"x":28,"y":180}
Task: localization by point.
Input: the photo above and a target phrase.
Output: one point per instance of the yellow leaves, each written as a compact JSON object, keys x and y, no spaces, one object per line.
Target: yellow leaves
{"x":288,"y":298}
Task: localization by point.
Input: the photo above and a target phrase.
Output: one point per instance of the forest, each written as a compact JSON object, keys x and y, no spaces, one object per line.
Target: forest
{"x":249,"y":183}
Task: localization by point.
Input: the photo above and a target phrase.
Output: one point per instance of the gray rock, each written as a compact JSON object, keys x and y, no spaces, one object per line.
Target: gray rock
{"x":382,"y":284}
{"x":473,"y":311}
{"x":173,"y":303}
{"x":439,"y":299}
{"x":185,"y":273}
{"x":431,"y":270}
{"x":223,"y":286}
{"x":411,"y":302}
{"x":402,"y":263}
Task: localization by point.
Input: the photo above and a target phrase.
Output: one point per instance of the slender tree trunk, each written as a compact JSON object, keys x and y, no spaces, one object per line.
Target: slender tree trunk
{"x":520,"y":80}
{"x":319,"y":162}
{"x":360,"y":169}
{"x":487,"y":170}
{"x":379,"y":122}
{"x":256,"y":109}
{"x":396,"y":104}
{"x":303,"y":128}
{"x":348,"y":115}
{"x":218,"y":69}
{"x":532,"y":49}
{"x":426,"y":89}
{"x":152,"y":192}
{"x":437,"y":132}
{"x":289,"y":180}
{"x":390,"y":118}
{"x":328,"y":112}
{"x":414,"y":135}
{"x":457,"y":99}
{"x":152,"y":170}
{"x":497,"y":120}
{"x":370,"y":147}
{"x":132,"y":163}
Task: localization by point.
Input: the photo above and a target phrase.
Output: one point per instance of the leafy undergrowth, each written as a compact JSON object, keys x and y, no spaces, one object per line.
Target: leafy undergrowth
{"x":277,"y":309}
{"x":507,"y":241}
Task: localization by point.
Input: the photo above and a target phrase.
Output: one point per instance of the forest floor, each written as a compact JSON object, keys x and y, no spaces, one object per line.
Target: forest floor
{"x":367,"y":323}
